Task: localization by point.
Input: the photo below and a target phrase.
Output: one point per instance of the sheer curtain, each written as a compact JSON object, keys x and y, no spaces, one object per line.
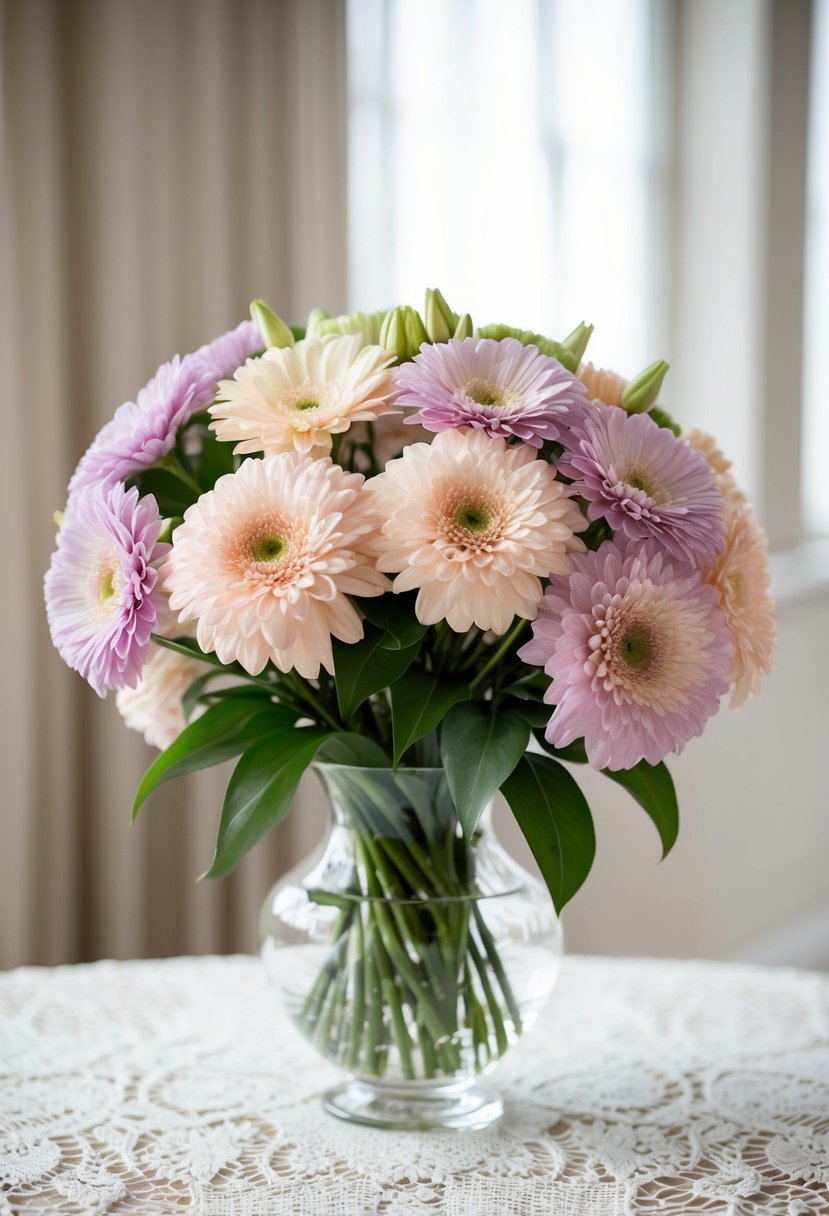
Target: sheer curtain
{"x":160,"y":165}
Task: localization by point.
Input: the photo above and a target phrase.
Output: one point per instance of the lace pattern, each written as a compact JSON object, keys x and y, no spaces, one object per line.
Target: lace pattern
{"x":649,"y":1087}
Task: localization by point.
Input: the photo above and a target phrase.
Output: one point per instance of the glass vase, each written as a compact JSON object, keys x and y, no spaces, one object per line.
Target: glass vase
{"x":408,"y":954}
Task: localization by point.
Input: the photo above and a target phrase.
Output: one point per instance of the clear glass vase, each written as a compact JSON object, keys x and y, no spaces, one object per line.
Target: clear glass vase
{"x":407,"y":954}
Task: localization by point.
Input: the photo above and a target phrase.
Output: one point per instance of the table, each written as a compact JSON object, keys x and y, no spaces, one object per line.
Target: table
{"x":648,"y":1087}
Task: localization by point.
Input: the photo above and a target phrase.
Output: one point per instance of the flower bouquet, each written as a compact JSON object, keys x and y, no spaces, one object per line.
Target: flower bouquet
{"x":435,"y":562}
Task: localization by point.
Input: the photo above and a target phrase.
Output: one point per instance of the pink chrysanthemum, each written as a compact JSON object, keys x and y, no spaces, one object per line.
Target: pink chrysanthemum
{"x":645,"y":482}
{"x":299,"y":397}
{"x":265,"y":561}
{"x":503,"y":388}
{"x":474,"y":523}
{"x":99,"y":586}
{"x":143,"y":431}
{"x":742,"y":580}
{"x":154,"y":707}
{"x":638,"y":652}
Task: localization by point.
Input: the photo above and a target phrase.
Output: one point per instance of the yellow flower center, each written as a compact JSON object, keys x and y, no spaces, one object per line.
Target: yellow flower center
{"x":473,"y":517}
{"x":269,"y":547}
{"x":484,"y":392}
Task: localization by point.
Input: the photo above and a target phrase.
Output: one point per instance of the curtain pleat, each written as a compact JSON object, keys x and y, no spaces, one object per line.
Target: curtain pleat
{"x":161,"y":164}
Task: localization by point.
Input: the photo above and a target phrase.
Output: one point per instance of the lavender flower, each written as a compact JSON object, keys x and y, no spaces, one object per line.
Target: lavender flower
{"x":99,"y":586}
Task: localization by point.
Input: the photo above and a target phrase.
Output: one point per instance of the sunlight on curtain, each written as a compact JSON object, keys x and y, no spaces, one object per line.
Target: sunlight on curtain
{"x":511,"y":155}
{"x":816,"y":320}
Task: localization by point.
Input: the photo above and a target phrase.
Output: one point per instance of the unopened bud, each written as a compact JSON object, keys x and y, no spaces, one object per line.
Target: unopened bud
{"x":272,"y":328}
{"x":642,"y":392}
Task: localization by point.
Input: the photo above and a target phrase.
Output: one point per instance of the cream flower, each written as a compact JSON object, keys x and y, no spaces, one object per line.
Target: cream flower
{"x":265,"y":561}
{"x":474,"y":524}
{"x":602,"y":385}
{"x":719,"y":465}
{"x":298,"y":397}
{"x":154,"y":707}
{"x":741,"y":577}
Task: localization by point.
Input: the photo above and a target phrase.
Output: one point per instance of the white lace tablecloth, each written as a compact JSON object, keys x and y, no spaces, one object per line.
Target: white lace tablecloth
{"x":652,"y":1087}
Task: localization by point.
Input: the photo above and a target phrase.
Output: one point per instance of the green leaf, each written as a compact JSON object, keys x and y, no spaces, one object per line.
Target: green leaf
{"x":355,"y":750}
{"x":261,"y":791}
{"x":364,"y":667}
{"x":479,"y":750}
{"x":553,"y":814}
{"x":194,"y":691}
{"x":653,"y":788}
{"x":419,"y":702}
{"x":214,"y":460}
{"x":171,"y":494}
{"x":223,"y":731}
{"x":573,"y":753}
{"x":396,"y":615}
{"x":535,"y":713}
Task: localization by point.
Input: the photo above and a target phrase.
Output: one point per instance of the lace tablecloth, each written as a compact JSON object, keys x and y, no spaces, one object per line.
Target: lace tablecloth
{"x":649,"y":1087}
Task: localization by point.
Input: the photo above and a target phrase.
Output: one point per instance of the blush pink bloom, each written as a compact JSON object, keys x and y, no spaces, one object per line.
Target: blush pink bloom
{"x":264,"y":563}
{"x":154,"y":707}
{"x":742,"y":581}
{"x":601,"y":384}
{"x":99,"y":586}
{"x":474,"y":524}
{"x":502,"y":388}
{"x":638,"y":651}
{"x":645,"y":482}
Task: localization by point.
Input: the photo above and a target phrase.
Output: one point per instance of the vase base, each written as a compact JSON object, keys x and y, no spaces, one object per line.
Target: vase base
{"x":418,"y":1106}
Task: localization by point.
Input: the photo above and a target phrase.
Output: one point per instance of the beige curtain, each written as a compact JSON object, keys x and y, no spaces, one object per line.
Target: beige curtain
{"x":162,"y":162}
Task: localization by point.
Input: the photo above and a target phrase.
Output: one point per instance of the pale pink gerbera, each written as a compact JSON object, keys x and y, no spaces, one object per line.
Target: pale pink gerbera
{"x":474,"y":523}
{"x":99,"y":586}
{"x":719,"y":464}
{"x":265,"y":561}
{"x":638,"y":652}
{"x":742,"y":580}
{"x":645,"y":482}
{"x":154,"y":707}
{"x":298,"y":397}
{"x":503,"y":388}
{"x":601,"y":384}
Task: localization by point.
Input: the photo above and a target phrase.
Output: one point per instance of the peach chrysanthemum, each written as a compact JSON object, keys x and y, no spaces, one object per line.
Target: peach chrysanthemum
{"x":601,"y":384}
{"x":474,"y":523}
{"x":298,"y":397}
{"x":741,"y":577}
{"x":719,"y":465}
{"x":265,"y":561}
{"x":154,"y":707}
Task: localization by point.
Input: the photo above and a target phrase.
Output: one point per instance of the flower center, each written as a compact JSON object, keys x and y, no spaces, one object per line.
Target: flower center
{"x":473,"y":517}
{"x":106,"y":585}
{"x":638,"y":478}
{"x":306,"y":405}
{"x":636,"y":648}
{"x":307,"y":396}
{"x":484,"y":392}
{"x":268,"y":547}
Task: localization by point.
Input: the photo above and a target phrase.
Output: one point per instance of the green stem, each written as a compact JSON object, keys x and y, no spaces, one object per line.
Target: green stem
{"x":498,"y":968}
{"x":498,"y":653}
{"x":301,"y":690}
{"x":173,"y":465}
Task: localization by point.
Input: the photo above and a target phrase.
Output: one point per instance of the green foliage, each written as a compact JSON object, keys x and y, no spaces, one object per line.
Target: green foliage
{"x":260,"y":792}
{"x":419,"y":702}
{"x":479,"y":750}
{"x":547,"y":346}
{"x":171,"y":494}
{"x":396,"y":615}
{"x":367,"y":666}
{"x":653,"y":788}
{"x":553,"y":814}
{"x":348,"y":748}
{"x":574,"y":753}
{"x":223,"y":731}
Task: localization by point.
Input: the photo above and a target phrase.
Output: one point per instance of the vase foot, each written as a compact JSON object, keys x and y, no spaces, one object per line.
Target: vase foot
{"x":415,"y":1106}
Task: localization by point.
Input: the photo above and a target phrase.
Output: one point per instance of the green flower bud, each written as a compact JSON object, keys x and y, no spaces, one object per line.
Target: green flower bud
{"x":57,"y":516}
{"x":416,"y":333}
{"x":576,"y":342}
{"x":314,"y":317}
{"x":273,"y":330}
{"x":440,"y":320}
{"x":463,"y":329}
{"x":366,"y":324}
{"x":392,"y":332}
{"x":662,"y":418}
{"x":555,"y":350}
{"x":640,"y":395}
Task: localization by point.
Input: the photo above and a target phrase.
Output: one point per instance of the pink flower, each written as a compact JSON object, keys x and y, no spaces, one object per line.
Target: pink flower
{"x":638,"y":651}
{"x":265,"y":561}
{"x":645,"y":482}
{"x":143,"y":431}
{"x":99,"y":586}
{"x":474,"y":523}
{"x":503,"y":388}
